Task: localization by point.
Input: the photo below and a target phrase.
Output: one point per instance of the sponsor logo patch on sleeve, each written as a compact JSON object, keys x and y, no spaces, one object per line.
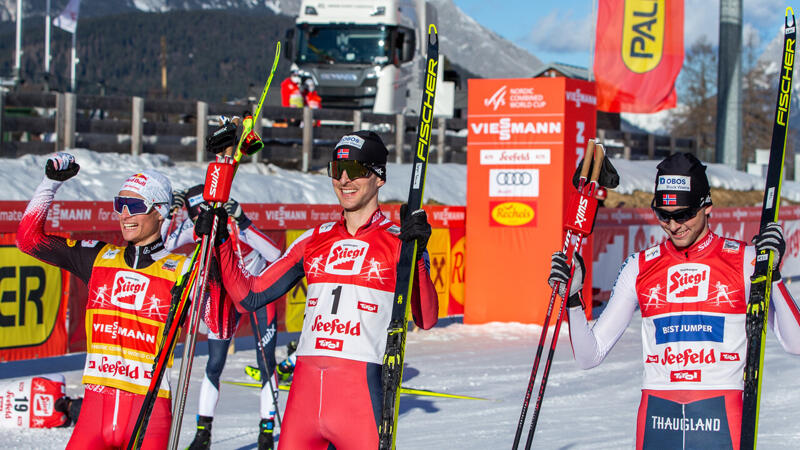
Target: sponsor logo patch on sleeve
{"x":170,"y":264}
{"x":89,"y":243}
{"x":731,"y":246}
{"x":652,"y":253}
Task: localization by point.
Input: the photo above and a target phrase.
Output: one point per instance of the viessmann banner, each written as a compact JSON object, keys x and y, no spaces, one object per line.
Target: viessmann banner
{"x":525,"y":138}
{"x":638,"y":54}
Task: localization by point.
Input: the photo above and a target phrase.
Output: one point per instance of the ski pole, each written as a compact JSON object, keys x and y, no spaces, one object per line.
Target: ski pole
{"x":587,"y":158}
{"x":599,"y":155}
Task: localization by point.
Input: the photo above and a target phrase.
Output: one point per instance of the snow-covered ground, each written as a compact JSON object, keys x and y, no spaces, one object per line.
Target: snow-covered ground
{"x":102,"y":173}
{"x":594,"y":409}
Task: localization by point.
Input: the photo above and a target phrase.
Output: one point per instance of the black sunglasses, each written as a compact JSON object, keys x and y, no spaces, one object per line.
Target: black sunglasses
{"x":353,"y":168}
{"x":679,"y":216}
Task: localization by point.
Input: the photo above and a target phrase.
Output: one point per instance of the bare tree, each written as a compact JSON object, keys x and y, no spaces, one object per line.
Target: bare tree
{"x":758,"y":102}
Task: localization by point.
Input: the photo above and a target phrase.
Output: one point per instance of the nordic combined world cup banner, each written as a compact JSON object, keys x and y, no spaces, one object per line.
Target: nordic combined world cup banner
{"x":638,"y":54}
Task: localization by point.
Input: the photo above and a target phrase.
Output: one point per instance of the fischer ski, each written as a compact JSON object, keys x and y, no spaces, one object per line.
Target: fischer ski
{"x":392,"y":369}
{"x":403,"y":390}
{"x":583,"y":209}
{"x":761,"y":281}
{"x":216,"y":191}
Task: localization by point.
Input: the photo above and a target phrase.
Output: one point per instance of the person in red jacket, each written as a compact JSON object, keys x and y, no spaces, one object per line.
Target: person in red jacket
{"x":692,"y":291}
{"x":350,"y":268}
{"x":127,"y":306}
{"x":291,"y":92}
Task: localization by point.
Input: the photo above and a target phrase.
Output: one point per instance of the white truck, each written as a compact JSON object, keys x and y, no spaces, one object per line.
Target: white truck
{"x":363,"y":54}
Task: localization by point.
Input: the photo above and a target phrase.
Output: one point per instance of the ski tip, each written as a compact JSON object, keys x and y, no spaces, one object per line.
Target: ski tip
{"x":432,"y":29}
{"x":789,"y":13}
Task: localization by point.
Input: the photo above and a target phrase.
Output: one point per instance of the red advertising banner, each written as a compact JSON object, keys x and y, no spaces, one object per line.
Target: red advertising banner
{"x":638,"y":54}
{"x":525,"y":138}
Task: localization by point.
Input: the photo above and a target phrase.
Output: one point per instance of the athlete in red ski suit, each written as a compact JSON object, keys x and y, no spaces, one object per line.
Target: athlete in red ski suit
{"x":350,"y":268}
{"x":129,"y":298}
{"x":692,"y":291}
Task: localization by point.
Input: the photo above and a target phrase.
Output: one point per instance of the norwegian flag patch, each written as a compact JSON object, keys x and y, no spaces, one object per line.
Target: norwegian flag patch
{"x":669,"y":199}
{"x":342,"y":153}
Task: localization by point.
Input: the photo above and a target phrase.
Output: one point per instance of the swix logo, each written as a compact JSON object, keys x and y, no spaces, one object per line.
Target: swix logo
{"x":497,"y":99}
{"x":652,"y":359}
{"x":329,"y":344}
{"x":212,"y":189}
{"x":368,"y":307}
{"x":729,"y":356}
{"x":688,"y":356}
{"x":43,"y":405}
{"x":129,"y":290}
{"x":312,"y":302}
{"x":688,"y":283}
{"x":336,"y":326}
{"x":581,"y":216}
{"x":346,"y":257}
{"x":685,"y":375}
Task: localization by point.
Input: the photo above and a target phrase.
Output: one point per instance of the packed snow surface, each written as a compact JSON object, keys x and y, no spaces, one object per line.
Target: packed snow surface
{"x":582,"y":409}
{"x":102,"y":174}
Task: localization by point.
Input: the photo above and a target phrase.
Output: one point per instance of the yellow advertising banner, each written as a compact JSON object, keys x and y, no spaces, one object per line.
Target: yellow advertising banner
{"x":296,"y":297}
{"x":30,"y":299}
{"x":439,"y":252}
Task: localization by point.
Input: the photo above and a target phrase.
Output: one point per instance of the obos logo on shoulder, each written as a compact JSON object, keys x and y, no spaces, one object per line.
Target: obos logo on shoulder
{"x":688,"y":283}
{"x":129,"y":290}
{"x":512,"y":214}
{"x":346,"y":257}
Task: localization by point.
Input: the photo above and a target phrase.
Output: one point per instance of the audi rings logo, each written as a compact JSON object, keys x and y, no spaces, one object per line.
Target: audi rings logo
{"x":513,"y":178}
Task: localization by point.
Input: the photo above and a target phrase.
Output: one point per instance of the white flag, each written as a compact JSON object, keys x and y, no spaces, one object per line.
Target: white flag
{"x":68,"y":19}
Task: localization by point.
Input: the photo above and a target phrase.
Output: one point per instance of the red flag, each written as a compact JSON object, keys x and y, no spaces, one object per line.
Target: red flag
{"x":638,"y":54}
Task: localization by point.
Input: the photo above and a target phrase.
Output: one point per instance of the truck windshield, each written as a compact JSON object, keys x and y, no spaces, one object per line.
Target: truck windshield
{"x":343,"y":44}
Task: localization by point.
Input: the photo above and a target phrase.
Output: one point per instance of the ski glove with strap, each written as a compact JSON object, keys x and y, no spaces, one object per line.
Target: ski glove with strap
{"x":234,"y":209}
{"x":224,"y":137}
{"x":205,"y":220}
{"x":61,"y":167}
{"x":771,"y":238}
{"x":559,"y":273}
{"x":178,"y":200}
{"x":415,"y":226}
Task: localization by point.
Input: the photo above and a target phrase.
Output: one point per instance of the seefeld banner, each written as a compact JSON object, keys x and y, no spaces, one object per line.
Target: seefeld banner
{"x":638,"y":54}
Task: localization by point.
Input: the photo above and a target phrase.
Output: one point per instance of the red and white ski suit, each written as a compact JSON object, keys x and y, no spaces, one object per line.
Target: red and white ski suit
{"x":129,"y":300}
{"x":693,"y":303}
{"x":336,"y":390}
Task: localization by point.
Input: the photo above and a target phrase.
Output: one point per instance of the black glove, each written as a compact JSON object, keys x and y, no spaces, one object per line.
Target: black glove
{"x":771,"y":238}
{"x":61,"y":167}
{"x":415,"y":227}
{"x":234,"y":209}
{"x":559,"y":272}
{"x":205,"y":220}
{"x":178,"y":200}
{"x":224,"y":137}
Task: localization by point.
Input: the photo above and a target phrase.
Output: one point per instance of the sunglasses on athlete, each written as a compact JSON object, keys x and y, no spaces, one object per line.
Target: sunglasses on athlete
{"x":135,"y":205}
{"x":680,"y":216}
{"x":354,"y":169}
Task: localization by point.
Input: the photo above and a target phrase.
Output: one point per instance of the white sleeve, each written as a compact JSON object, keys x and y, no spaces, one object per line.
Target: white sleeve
{"x":183,"y":234}
{"x":260,"y":243}
{"x":591,"y":344}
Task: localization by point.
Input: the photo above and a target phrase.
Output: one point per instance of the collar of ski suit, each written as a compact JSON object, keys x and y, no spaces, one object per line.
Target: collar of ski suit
{"x":141,"y":256}
{"x":699,"y":249}
{"x":376,"y":219}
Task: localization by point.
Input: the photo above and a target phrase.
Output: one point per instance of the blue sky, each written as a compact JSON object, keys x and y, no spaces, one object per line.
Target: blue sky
{"x":562,"y":30}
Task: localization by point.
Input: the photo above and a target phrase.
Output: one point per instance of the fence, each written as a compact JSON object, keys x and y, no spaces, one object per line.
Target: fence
{"x":37,"y":123}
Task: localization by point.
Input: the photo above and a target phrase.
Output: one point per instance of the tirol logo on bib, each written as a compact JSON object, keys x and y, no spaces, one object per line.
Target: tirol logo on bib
{"x":688,"y":283}
{"x":346,"y":257}
{"x":674,"y":183}
{"x":129,"y":290}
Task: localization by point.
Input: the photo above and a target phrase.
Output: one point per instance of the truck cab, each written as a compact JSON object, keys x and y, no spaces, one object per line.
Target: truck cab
{"x":361,"y":54}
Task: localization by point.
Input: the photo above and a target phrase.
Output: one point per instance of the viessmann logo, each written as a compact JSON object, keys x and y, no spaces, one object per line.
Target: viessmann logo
{"x":505,"y":128}
{"x":129,"y":290}
{"x":346,"y":257}
{"x":688,"y":283}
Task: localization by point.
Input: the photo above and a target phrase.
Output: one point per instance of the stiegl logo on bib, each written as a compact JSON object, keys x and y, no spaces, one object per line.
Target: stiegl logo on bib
{"x":688,"y":283}
{"x":346,"y":257}
{"x":129,"y":290}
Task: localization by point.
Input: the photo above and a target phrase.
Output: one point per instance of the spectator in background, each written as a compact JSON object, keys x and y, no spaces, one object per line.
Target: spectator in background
{"x":310,"y":96}
{"x":291,"y":95}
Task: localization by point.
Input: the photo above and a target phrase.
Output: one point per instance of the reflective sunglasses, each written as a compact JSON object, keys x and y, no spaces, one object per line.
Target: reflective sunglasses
{"x":353,"y":168}
{"x":135,"y":205}
{"x":679,"y":216}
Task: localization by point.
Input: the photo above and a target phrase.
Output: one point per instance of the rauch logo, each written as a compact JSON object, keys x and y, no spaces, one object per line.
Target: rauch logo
{"x":346,"y":257}
{"x":129,"y":290}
